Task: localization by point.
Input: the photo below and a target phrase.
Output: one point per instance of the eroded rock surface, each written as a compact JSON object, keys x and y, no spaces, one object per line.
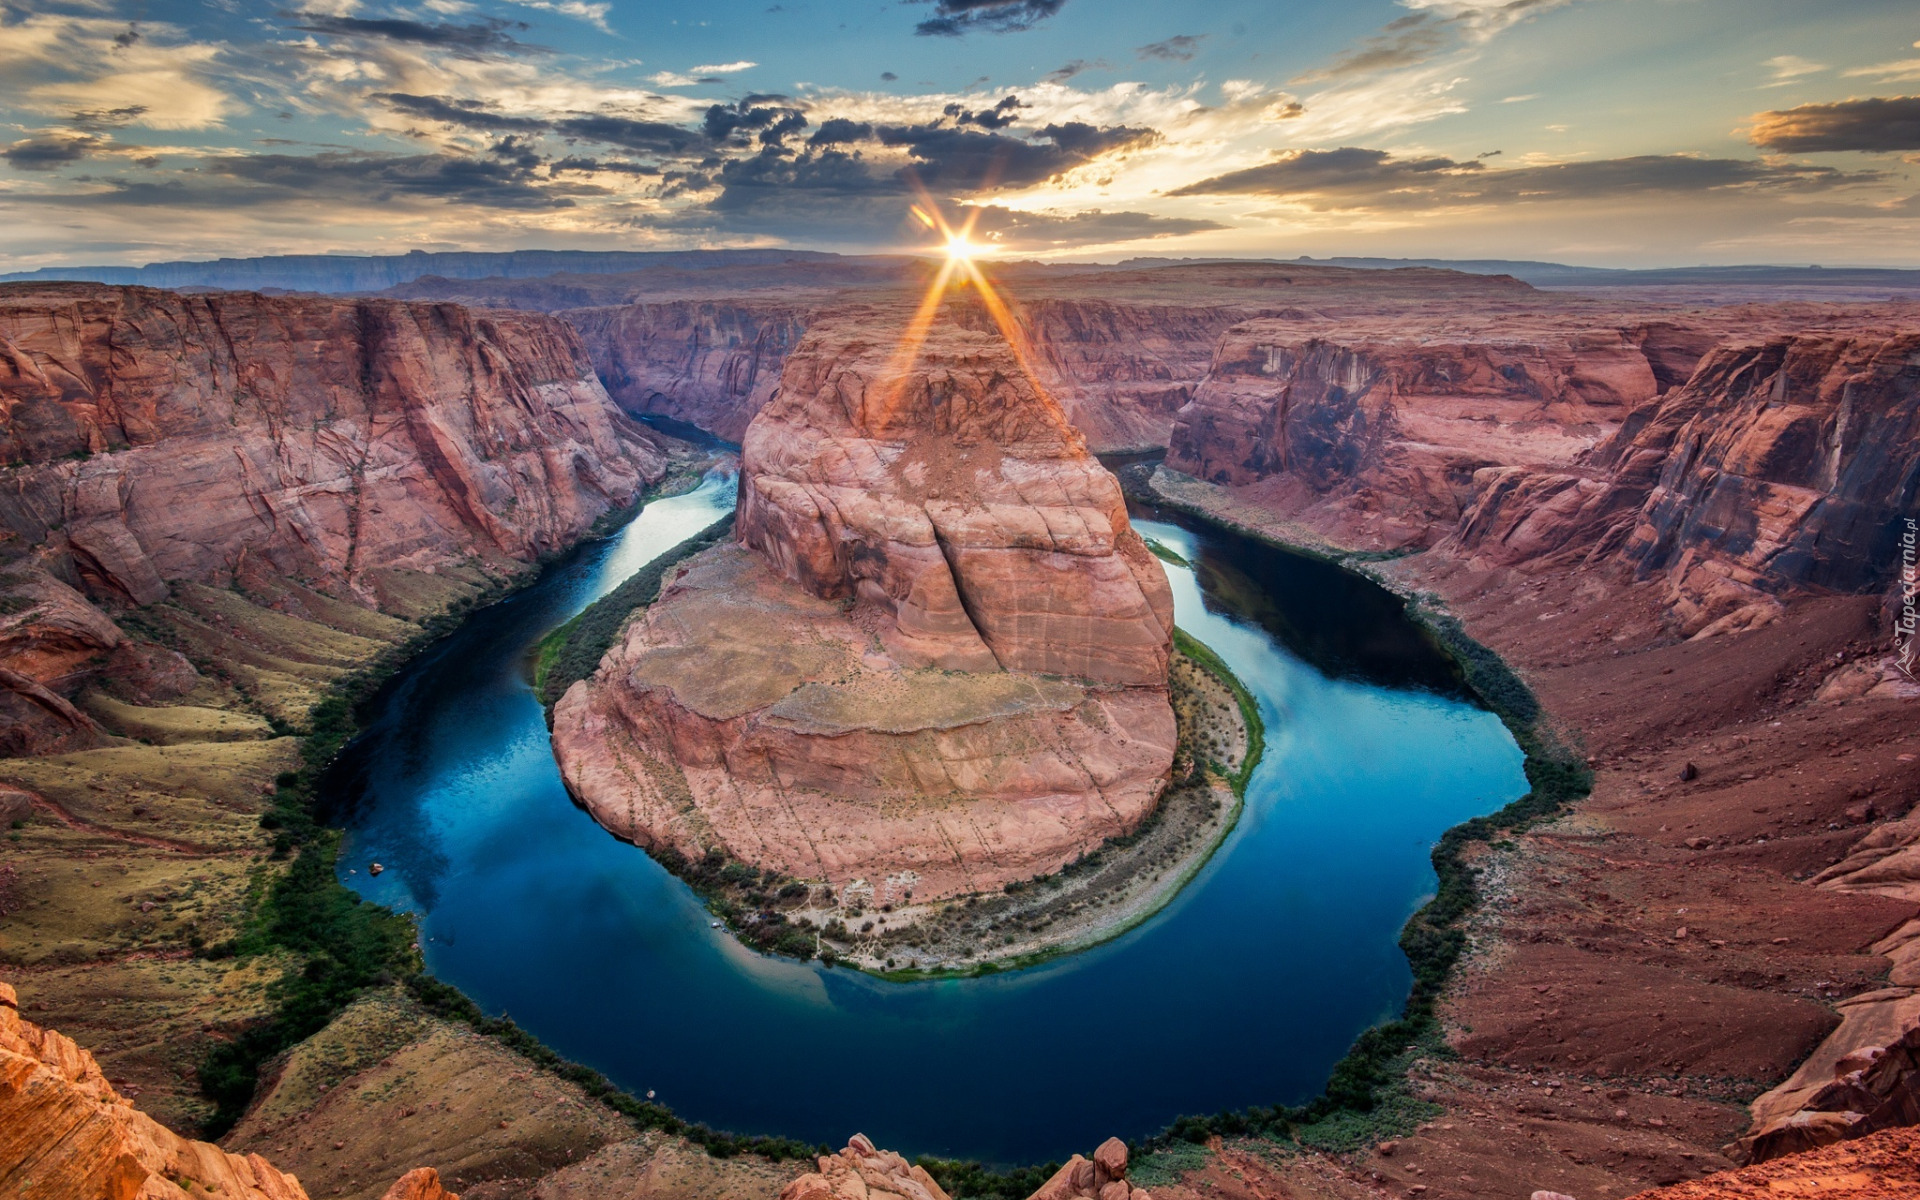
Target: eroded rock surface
{"x":938,"y":663}
{"x":156,"y":437}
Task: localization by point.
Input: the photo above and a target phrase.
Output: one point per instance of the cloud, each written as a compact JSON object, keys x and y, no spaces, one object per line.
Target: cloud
{"x":107,"y":118}
{"x":1876,"y":124}
{"x":1179,"y":48}
{"x":1906,"y":70}
{"x":630,"y":133}
{"x":1013,"y":229}
{"x":999,"y":116}
{"x":837,"y":131}
{"x":466,"y":114}
{"x":46,"y":151}
{"x":1790,"y":68}
{"x":1066,"y":71}
{"x":593,"y":14}
{"x":1407,"y":42}
{"x":1356,"y":178}
{"x":768,"y":116}
{"x":725,"y":68}
{"x":962,"y":160}
{"x":55,"y":64}
{"x":488,"y":36}
{"x":956,"y":17}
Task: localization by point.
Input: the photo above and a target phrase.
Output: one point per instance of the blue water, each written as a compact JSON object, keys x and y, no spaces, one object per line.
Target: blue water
{"x":1245,"y":990}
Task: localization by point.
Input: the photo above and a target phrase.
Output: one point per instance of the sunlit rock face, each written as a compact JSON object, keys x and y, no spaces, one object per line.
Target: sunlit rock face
{"x":936,"y":660}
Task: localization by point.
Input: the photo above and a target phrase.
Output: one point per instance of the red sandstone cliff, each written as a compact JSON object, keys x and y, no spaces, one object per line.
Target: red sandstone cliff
{"x":66,"y":1134}
{"x":152,"y":438}
{"x":940,"y":667}
{"x":156,"y":437}
{"x":710,"y":363}
{"x":1377,"y":425}
{"x":1782,"y":466}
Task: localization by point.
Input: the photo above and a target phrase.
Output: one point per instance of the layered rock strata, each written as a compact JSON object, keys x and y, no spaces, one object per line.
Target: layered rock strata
{"x":1778,"y":467}
{"x":154,"y":437}
{"x":936,"y":665}
{"x":1375,"y":428}
{"x":66,"y":1134}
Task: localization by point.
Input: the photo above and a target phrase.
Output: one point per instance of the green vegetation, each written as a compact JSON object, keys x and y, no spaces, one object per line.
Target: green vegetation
{"x":1203,"y":654}
{"x":572,"y":652}
{"x":976,"y":1182}
{"x":1165,"y":552}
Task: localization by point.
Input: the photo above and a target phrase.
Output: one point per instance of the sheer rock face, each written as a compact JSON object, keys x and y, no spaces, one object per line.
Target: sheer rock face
{"x":710,"y":363}
{"x":1120,"y":371}
{"x":955,"y":497}
{"x":1377,"y":426}
{"x":158,"y":437}
{"x":1781,"y":466}
{"x":937,"y":665}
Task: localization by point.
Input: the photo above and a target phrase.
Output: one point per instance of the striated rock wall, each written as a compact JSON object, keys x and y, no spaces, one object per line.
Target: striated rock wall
{"x":936,"y":665}
{"x":1120,"y":371}
{"x":1378,"y":427}
{"x":710,"y":363}
{"x":65,"y":1134}
{"x":1780,"y":466}
{"x":154,"y":437}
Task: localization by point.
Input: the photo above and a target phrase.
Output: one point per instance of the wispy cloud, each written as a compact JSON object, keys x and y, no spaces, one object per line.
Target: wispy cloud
{"x":1787,"y":69}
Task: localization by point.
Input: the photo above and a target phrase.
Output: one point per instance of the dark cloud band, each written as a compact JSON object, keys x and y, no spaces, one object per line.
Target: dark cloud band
{"x":1879,"y":124}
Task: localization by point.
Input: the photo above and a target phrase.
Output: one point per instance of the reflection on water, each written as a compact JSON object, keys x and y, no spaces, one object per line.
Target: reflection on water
{"x":1245,"y":990}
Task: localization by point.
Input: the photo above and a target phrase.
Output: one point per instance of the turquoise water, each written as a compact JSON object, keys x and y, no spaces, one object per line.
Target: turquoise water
{"x":1245,"y":990}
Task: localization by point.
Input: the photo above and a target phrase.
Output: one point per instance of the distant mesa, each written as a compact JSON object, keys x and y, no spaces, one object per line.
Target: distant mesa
{"x":934,"y":663}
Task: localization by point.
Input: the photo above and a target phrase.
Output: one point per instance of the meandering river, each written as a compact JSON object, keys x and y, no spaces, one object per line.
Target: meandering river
{"x":1245,"y":990}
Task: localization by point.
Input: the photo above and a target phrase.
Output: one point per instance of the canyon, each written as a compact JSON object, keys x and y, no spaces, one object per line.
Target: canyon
{"x":1679,"y":524}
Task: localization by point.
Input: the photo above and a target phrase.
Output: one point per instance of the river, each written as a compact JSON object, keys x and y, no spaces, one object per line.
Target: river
{"x":1245,"y":990}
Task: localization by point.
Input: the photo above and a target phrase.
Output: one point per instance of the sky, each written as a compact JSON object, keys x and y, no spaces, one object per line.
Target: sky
{"x":1602,"y":132}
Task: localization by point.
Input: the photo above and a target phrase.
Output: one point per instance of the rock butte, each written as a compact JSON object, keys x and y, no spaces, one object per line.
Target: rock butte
{"x":936,"y":662}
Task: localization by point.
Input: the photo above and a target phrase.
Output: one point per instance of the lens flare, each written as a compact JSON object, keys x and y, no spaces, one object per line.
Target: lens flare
{"x":960,"y":249}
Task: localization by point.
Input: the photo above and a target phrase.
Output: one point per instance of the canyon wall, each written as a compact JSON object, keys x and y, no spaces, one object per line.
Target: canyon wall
{"x":154,"y":437}
{"x":381,"y":452}
{"x":935,"y":664}
{"x":710,"y":363}
{"x":1377,"y":426}
{"x":1783,"y":466}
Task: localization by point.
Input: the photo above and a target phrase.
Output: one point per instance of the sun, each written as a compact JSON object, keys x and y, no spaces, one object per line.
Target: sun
{"x":960,"y":250}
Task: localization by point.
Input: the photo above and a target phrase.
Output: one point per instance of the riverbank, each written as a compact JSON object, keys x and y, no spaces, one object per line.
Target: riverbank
{"x":1634,"y":966}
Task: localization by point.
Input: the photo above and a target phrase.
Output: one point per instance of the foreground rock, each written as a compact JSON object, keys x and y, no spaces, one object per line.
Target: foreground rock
{"x":65,"y":1134}
{"x":937,"y":665}
{"x":1885,"y":1166}
{"x":861,"y":1172}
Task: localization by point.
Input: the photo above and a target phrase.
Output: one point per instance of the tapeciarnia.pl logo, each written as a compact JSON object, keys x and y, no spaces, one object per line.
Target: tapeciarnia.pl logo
{"x":1909,"y":620}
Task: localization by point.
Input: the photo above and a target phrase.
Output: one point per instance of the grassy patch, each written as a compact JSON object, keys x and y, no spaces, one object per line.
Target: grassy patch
{"x":1166,"y":553}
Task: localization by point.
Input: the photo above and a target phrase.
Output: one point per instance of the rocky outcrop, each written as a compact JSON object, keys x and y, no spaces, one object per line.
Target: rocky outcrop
{"x":155,"y":437}
{"x":1882,"y":1166}
{"x":710,"y":363}
{"x":952,"y":495}
{"x":937,"y":664}
{"x":1378,"y":427}
{"x":861,"y":1172}
{"x":65,"y":1134}
{"x":1121,"y":371}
